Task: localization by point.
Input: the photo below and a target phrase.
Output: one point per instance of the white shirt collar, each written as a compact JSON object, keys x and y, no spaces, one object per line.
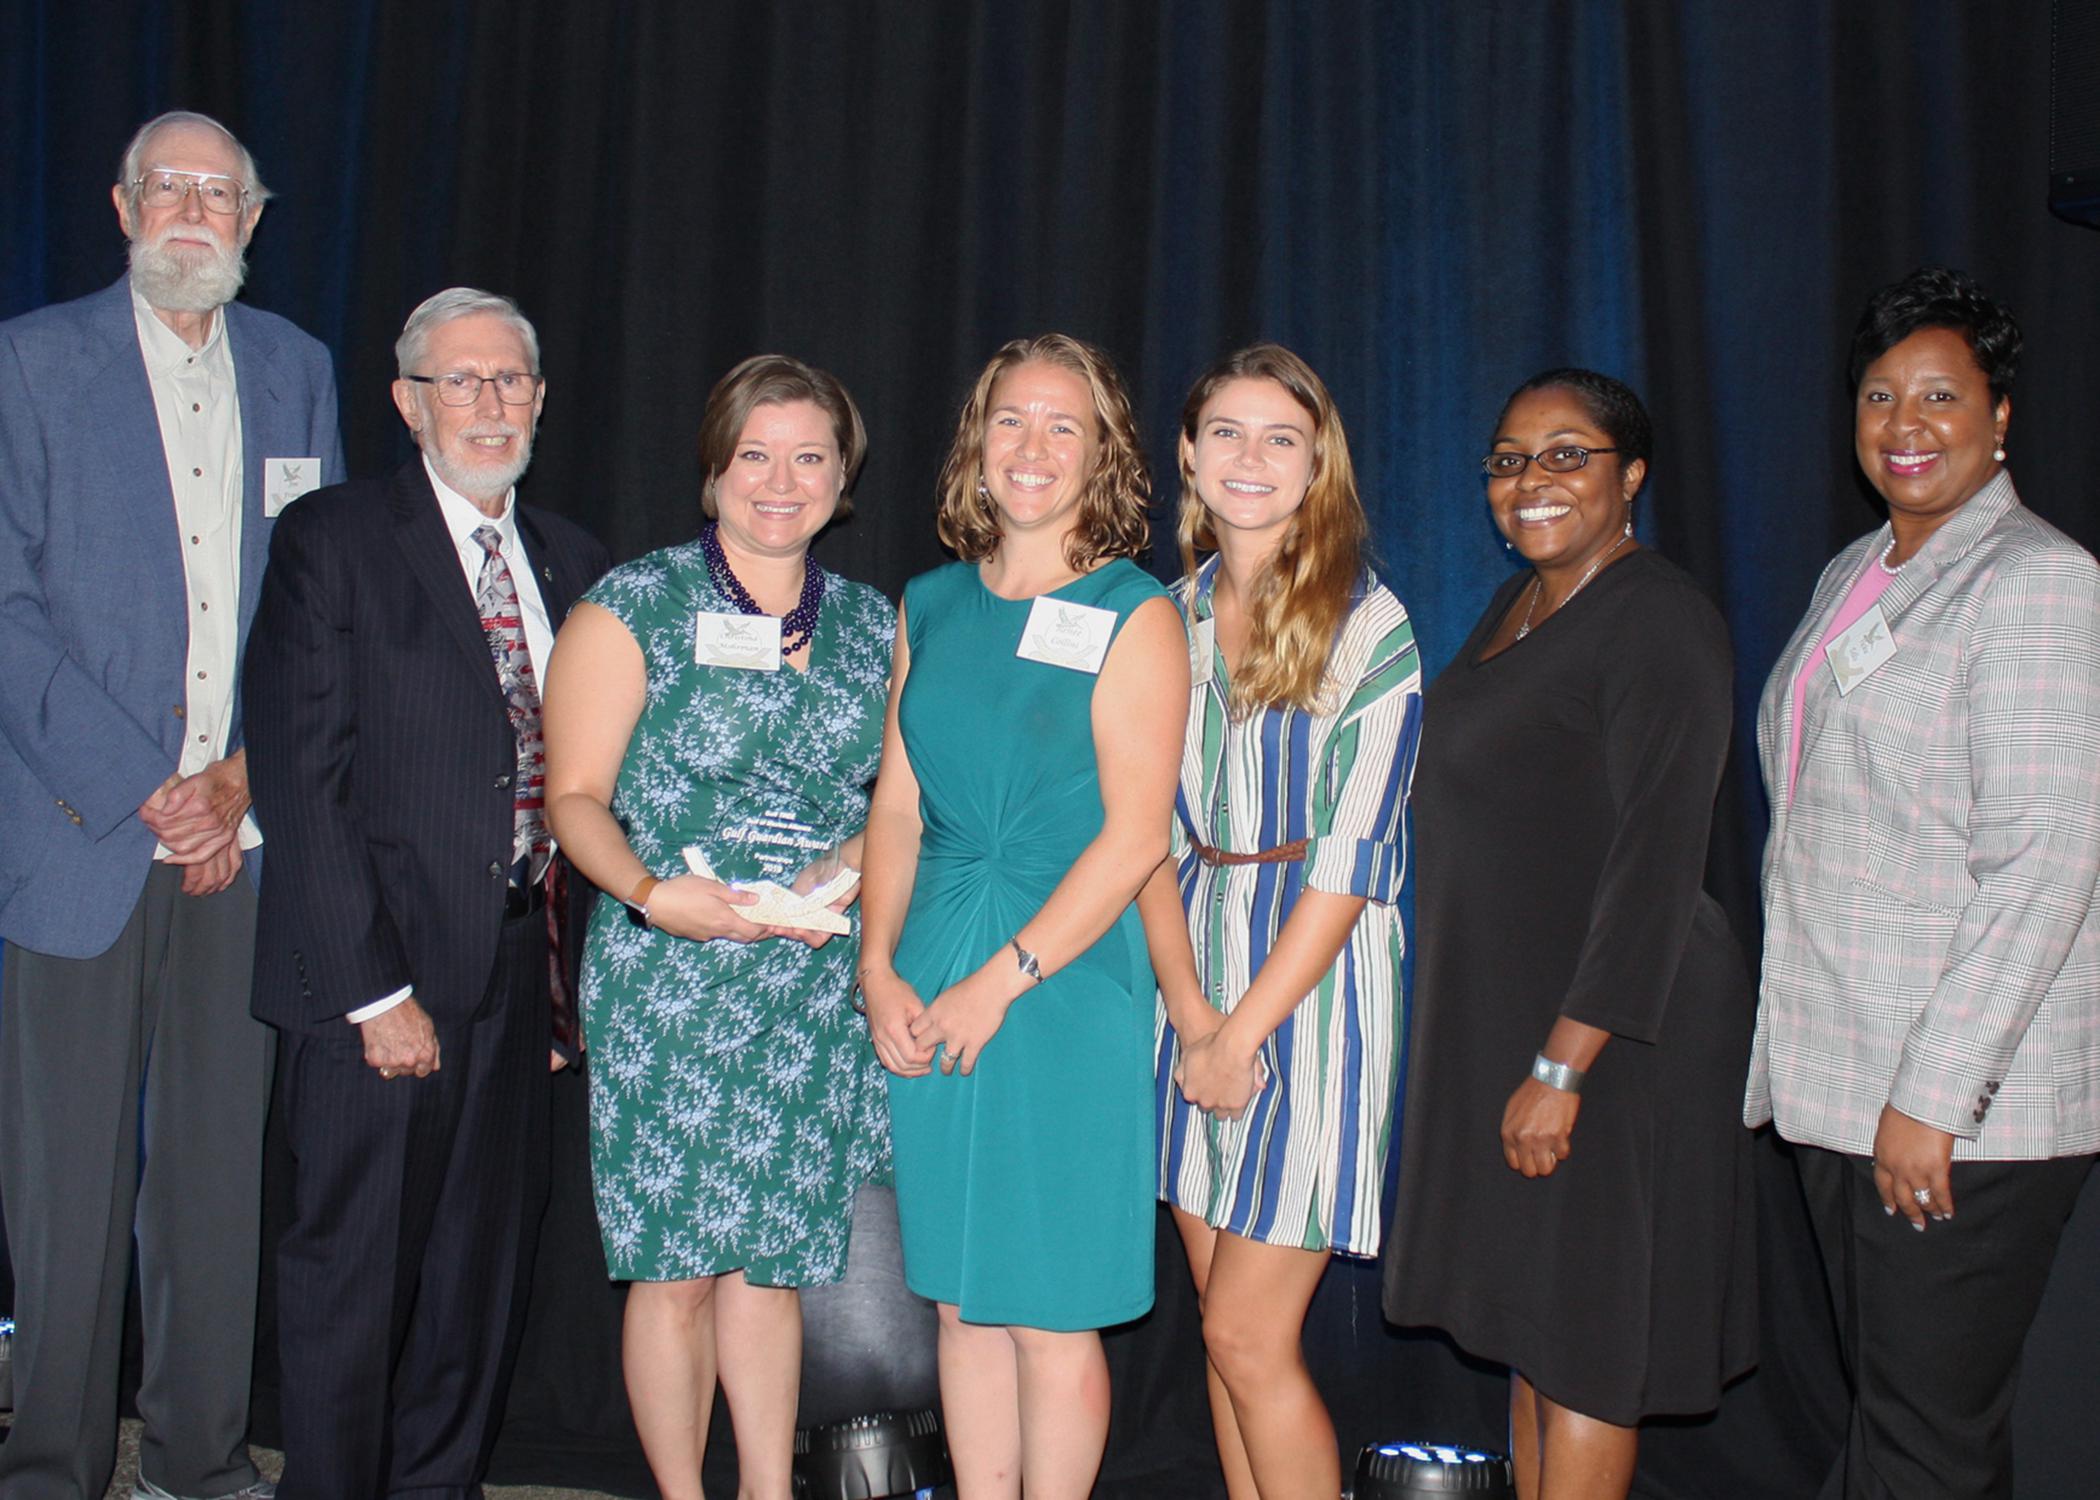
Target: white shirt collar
{"x":164,"y":347}
{"x":463,"y":517}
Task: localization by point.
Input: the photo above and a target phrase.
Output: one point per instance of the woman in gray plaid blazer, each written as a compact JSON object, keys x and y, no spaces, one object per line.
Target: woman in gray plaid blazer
{"x":1929,"y":1029}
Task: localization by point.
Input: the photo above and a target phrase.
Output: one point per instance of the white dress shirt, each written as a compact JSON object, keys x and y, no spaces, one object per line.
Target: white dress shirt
{"x":462,"y":519}
{"x":199,"y":408}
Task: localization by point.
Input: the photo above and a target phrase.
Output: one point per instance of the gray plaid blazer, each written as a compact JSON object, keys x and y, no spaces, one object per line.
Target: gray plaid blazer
{"x":1931,"y":935}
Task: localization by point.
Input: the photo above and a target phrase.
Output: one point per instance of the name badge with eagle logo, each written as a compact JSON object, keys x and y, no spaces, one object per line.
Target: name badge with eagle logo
{"x":1073,"y":636}
{"x":286,"y":479}
{"x":1857,"y":651}
{"x":748,"y":642}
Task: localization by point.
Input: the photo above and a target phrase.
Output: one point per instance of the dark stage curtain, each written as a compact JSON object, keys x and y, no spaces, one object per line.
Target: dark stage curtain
{"x":1430,"y":201}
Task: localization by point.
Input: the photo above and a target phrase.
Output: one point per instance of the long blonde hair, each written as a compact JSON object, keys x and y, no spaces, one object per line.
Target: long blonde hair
{"x":1302,"y":594}
{"x":1111,"y":520}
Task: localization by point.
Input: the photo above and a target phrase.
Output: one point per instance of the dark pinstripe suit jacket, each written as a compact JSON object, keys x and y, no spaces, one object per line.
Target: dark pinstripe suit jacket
{"x":380,"y":754}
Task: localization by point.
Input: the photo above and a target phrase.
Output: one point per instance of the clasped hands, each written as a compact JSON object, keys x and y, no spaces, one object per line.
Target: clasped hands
{"x":199,"y":819}
{"x":1217,"y":1071}
{"x":908,"y":1033}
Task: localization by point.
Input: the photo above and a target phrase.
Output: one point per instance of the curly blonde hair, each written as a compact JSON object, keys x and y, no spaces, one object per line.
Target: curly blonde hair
{"x":1112,"y":506}
{"x":1303,"y":592}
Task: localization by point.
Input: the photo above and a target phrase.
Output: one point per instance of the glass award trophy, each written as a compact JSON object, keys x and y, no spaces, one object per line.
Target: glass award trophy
{"x":783,"y":847}
{"x":768,"y":833}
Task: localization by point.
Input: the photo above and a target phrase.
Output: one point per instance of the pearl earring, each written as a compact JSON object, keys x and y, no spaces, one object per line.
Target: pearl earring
{"x":1998,"y":453}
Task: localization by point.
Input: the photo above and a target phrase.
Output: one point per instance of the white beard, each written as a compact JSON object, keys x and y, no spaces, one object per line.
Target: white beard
{"x":474,"y":480}
{"x":186,"y":281}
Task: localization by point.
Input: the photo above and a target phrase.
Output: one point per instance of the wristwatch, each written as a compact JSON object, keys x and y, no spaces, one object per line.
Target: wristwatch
{"x":1026,"y":961}
{"x":637,"y":902}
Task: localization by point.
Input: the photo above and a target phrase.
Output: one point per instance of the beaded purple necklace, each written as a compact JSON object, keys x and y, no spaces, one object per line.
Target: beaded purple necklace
{"x":798,"y":624}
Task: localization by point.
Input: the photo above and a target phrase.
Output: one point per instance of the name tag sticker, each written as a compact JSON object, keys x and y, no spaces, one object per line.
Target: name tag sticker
{"x":286,"y":479}
{"x":1074,"y":636}
{"x":748,"y":642}
{"x":1203,"y":645}
{"x":1859,"y":650}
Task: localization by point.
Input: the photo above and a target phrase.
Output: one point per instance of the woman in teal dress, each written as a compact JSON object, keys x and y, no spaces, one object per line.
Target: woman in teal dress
{"x":726,"y":696}
{"x":1035,"y":721}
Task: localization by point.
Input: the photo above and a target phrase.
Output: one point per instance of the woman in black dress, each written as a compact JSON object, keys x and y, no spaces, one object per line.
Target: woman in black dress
{"x":1575,"y":1196}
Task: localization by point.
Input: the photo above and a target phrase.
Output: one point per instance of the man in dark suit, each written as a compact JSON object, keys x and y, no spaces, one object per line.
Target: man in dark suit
{"x":149,"y":435}
{"x":396,"y":757}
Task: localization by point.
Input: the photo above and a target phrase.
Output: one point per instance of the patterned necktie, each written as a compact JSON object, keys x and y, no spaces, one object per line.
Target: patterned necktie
{"x":504,"y":625}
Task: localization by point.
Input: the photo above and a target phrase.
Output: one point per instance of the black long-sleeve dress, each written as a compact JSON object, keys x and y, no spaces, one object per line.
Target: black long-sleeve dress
{"x":1562,"y":806}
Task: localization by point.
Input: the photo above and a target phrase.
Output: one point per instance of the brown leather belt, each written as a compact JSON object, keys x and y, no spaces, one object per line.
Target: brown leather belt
{"x":1282,"y":854}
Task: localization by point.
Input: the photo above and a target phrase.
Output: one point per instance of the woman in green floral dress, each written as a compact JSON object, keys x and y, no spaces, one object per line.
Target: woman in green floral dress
{"x":725,"y":696}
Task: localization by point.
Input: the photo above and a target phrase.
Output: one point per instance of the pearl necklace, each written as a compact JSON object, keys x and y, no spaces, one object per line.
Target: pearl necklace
{"x":798,"y":624}
{"x":1892,"y":571}
{"x":1538,"y":585}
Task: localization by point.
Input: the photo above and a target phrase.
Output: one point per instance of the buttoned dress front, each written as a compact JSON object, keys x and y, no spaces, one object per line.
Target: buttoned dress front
{"x":1305,"y":1165}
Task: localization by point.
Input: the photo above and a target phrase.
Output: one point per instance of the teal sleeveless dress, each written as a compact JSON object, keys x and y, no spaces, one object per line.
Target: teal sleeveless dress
{"x":1025,"y":1191}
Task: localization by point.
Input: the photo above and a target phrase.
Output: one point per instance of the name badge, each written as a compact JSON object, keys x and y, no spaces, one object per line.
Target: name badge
{"x":1859,"y":650}
{"x":286,"y":479}
{"x":748,"y":642}
{"x":1074,"y":636}
{"x":1203,"y":645}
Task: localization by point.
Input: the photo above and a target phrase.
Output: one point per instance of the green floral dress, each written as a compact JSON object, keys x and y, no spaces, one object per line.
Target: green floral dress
{"x":735,"y":1102}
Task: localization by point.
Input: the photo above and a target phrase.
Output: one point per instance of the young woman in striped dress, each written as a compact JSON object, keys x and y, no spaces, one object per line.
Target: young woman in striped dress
{"x":1273,"y":931}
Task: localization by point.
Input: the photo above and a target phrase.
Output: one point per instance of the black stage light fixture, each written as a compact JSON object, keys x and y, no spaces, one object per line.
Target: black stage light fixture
{"x":1414,"y":1471}
{"x":872,"y":1457}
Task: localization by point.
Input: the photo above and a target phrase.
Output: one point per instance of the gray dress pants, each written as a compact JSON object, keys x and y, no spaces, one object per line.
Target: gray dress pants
{"x":167,"y":1003}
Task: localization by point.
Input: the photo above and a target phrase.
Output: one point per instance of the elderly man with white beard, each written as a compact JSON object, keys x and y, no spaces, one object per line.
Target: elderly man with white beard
{"x":403,"y":938}
{"x":149,"y":436}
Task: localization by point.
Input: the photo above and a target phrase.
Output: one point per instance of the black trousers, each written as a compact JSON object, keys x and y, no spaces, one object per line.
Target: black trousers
{"x":416,"y":1206}
{"x":166,"y":1003}
{"x":1931,"y":1325}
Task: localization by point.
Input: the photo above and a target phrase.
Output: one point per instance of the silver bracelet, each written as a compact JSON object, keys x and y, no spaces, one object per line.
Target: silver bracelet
{"x":1556,"y":1075}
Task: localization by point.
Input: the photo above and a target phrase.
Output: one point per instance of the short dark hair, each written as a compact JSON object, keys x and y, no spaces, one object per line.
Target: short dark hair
{"x":1611,"y":404}
{"x":777,"y":380}
{"x":1940,"y":297}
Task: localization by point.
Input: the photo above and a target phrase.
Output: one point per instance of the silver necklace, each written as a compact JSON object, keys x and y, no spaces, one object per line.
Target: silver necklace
{"x":1538,"y":585}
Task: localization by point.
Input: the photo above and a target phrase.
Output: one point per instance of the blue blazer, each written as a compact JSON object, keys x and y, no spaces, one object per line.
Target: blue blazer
{"x":94,"y":627}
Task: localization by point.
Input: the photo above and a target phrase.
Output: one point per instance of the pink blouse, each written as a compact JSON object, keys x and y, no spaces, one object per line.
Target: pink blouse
{"x":1866,"y":591}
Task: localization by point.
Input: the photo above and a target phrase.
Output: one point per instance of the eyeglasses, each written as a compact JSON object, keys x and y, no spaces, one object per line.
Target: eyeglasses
{"x":219,"y":195}
{"x":513,"y":388}
{"x":1564,"y":460}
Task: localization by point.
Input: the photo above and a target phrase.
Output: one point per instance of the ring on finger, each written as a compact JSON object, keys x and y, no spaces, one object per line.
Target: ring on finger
{"x":1923,"y":1195}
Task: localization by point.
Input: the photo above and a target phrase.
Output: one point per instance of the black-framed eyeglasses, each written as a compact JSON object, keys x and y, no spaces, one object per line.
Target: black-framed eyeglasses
{"x":162,"y":189}
{"x":1565,"y":459}
{"x":513,"y":387}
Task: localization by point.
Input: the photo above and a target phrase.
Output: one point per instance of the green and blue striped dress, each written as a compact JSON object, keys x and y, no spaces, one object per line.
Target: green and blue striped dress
{"x":1304,"y":1166}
